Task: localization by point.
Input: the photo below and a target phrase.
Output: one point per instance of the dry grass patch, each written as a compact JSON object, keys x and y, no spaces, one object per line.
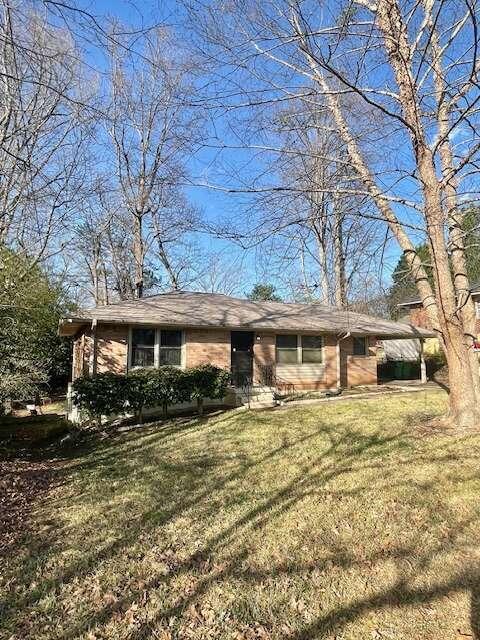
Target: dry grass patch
{"x":329,"y":521}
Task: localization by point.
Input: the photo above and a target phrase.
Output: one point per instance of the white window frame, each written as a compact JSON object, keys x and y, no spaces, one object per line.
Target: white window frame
{"x":156,"y":348}
{"x":299,"y":350}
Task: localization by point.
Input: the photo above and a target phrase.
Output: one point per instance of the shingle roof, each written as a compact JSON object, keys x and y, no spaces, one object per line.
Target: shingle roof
{"x":191,"y":309}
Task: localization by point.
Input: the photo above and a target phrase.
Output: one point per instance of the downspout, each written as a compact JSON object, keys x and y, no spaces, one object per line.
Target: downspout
{"x":346,"y":335}
{"x":93,"y":355}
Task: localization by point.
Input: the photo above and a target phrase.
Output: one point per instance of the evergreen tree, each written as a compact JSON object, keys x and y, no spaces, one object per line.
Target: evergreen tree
{"x":403,"y":285}
{"x":264,"y":291}
{"x":32,"y":355}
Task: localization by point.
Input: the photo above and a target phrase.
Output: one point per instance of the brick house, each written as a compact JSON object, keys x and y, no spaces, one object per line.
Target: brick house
{"x":274,"y":344}
{"x":413,"y":311}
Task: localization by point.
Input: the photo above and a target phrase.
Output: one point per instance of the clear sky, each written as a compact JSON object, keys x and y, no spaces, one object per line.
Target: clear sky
{"x":205,"y":167}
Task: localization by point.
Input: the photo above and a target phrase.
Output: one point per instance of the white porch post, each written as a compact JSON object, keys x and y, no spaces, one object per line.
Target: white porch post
{"x":423,"y":366}
{"x":92,"y":368}
{"x":339,"y":362}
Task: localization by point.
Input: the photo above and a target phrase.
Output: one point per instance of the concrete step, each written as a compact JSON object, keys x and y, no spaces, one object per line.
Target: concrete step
{"x":261,"y":405}
{"x":258,"y":398}
{"x":261,"y":394}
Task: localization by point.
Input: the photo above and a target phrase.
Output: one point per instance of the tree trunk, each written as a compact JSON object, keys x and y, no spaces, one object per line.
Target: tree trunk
{"x":138,"y":253}
{"x":441,"y":305}
{"x":339,"y":258}
{"x":455,"y":216}
{"x":164,"y":259}
{"x":200,"y":406}
{"x":463,"y":382}
{"x":319,"y":231}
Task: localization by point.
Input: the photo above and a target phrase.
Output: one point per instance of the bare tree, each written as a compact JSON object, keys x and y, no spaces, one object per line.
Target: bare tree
{"x":152,"y":128}
{"x":414,"y":65}
{"x":42,"y":134}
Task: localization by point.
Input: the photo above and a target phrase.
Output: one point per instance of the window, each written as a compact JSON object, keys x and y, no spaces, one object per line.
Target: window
{"x":312,"y":349}
{"x":287,"y":349}
{"x":143,"y":348}
{"x":359,"y":346}
{"x":170,"y":347}
{"x":155,"y":347}
{"x":293,"y":349}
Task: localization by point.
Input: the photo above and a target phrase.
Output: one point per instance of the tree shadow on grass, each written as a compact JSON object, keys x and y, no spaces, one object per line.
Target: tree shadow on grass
{"x":180,"y":487}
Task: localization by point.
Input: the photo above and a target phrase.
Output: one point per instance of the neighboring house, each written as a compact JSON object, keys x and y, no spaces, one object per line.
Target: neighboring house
{"x":416,"y":314}
{"x":274,"y":344}
{"x":412,"y":311}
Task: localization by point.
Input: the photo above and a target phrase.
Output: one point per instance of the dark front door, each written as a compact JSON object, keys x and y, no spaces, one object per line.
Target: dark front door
{"x":242,"y":357}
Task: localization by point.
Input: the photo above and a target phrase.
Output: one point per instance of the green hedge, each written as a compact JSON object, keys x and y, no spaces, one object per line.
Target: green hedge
{"x":108,"y":394}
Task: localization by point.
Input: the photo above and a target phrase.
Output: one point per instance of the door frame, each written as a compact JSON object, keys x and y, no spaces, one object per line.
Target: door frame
{"x":242,"y":377}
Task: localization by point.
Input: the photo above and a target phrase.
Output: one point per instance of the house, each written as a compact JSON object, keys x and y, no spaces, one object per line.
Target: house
{"x":273,"y":344}
{"x":413,"y":311}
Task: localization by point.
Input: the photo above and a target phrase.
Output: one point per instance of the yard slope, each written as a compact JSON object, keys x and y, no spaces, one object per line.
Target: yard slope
{"x":350,"y":520}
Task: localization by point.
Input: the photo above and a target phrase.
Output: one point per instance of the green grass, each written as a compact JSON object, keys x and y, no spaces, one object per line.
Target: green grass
{"x":349,"y":520}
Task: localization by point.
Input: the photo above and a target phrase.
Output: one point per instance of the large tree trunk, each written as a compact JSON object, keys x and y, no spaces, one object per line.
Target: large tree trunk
{"x":455,"y":215}
{"x":463,"y":379}
{"x":440,"y":305}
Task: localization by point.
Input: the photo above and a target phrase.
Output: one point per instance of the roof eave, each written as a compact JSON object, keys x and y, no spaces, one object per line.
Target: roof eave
{"x":71,"y":325}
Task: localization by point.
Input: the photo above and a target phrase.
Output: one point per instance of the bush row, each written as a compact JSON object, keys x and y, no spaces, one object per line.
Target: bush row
{"x":108,"y":393}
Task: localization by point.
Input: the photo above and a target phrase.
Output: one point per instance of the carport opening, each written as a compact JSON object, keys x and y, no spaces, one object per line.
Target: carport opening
{"x":401,"y":360}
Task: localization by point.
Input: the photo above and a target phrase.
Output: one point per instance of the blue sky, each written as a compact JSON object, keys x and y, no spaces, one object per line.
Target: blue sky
{"x":216,"y":206}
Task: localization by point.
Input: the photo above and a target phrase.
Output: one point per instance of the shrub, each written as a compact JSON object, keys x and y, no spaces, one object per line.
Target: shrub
{"x":141,"y":390}
{"x":100,"y":395}
{"x":207,"y":381}
{"x":436,"y":365}
{"x":108,"y":393}
{"x":172,"y":387}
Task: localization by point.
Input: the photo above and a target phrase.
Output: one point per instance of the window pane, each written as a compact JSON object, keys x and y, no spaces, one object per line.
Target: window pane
{"x":312,"y":355}
{"x":287,"y":356}
{"x":359,"y":346}
{"x":172,"y":356}
{"x":312,"y":342}
{"x":142,"y":356}
{"x":143,"y":337}
{"x":287,"y":342}
{"x":143,"y":343}
{"x":170,"y":338}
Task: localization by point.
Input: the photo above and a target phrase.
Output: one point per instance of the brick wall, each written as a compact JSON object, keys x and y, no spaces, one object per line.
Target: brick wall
{"x":418,"y":317}
{"x":263,"y":354}
{"x":207,"y":346}
{"x":212,"y":346}
{"x":358,"y":370}
{"x":112,"y":349}
{"x":330,"y":352}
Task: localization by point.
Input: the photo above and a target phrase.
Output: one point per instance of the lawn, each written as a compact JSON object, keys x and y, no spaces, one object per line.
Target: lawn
{"x":348,"y":520}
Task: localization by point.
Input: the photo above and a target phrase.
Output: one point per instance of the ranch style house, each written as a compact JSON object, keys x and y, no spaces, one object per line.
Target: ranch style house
{"x":268,"y":344}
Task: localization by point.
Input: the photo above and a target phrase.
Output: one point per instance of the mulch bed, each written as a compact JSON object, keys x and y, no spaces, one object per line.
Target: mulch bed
{"x":23,"y":482}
